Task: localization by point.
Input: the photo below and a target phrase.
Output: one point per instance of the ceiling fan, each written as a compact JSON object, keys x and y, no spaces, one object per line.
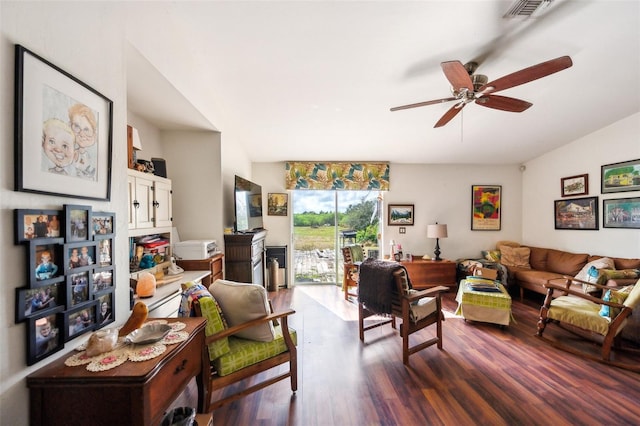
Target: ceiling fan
{"x":468,"y":87}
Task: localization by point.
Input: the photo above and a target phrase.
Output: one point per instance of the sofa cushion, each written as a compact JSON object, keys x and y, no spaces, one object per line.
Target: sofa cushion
{"x":605,"y":275}
{"x":245,"y":352}
{"x":565,"y":263}
{"x":515,"y":256}
{"x":538,"y":258}
{"x":620,"y":262}
{"x":534,"y":277}
{"x":242,"y":302}
{"x":602,"y":263}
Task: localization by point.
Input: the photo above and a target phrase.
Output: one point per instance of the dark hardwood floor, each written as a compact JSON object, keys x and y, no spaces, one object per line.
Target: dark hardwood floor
{"x":486,"y":375}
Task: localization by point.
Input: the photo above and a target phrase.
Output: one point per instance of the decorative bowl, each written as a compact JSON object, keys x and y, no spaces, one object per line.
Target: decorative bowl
{"x":148,"y":334}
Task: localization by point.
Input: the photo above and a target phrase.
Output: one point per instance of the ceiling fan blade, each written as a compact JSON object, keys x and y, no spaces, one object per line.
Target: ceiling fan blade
{"x":528,"y":74}
{"x":457,"y":75}
{"x":503,"y":103}
{"x":448,"y":116}
{"x":420,"y":104}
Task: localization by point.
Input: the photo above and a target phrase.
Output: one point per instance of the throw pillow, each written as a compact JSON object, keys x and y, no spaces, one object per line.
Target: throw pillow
{"x":242,"y":302}
{"x":612,"y":274}
{"x":615,"y":296}
{"x":515,"y":256}
{"x":602,"y":263}
{"x":491,"y":255}
{"x":190,"y":292}
{"x":507,"y":243}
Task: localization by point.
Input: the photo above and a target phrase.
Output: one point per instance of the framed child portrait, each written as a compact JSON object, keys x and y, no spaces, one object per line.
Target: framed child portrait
{"x":32,"y":224}
{"x":45,"y":335}
{"x":79,"y":256}
{"x":79,"y":321}
{"x":79,"y":288}
{"x":31,"y":302}
{"x":104,"y":248}
{"x":63,"y":132}
{"x":45,"y":262}
{"x":105,"y":310}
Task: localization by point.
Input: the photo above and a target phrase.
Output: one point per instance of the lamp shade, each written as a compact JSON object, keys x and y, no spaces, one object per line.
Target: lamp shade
{"x":137,"y":143}
{"x":437,"y":231}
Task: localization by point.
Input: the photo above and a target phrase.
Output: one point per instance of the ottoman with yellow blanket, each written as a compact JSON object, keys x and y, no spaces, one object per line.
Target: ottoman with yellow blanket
{"x":484,"y":306}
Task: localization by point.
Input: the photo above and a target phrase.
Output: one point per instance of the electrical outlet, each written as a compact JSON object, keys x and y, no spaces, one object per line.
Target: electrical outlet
{"x":402,"y":230}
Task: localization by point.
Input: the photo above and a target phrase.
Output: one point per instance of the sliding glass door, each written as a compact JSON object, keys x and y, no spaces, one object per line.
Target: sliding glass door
{"x":324,"y":222}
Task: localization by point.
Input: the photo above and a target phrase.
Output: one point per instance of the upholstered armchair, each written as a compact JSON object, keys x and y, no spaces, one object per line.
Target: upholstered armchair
{"x":385,"y":289}
{"x":352,"y":256}
{"x":243,"y":338}
{"x":604,"y":317}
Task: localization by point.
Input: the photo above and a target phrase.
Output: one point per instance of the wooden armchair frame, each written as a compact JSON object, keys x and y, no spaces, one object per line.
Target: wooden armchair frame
{"x":612,"y":338}
{"x":350,"y":269}
{"x":401,"y":309}
{"x":213,"y":382}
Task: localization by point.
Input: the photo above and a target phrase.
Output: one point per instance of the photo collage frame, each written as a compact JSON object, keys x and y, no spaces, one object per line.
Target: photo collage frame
{"x":70,"y":282}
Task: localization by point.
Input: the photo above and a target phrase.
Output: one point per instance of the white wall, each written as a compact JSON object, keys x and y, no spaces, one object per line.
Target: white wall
{"x":61,"y":35}
{"x":440,"y":193}
{"x":541,"y":186}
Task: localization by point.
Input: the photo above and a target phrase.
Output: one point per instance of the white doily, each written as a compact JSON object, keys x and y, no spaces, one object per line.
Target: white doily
{"x":175,"y":337}
{"x":155,"y":321}
{"x":177,"y":326}
{"x":109,"y":360}
{"x":147,"y":352}
{"x":80,"y":358}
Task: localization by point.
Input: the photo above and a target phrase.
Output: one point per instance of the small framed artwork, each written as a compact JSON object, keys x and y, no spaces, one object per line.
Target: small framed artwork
{"x":38,"y":301}
{"x":277,"y":204}
{"x":45,"y":335}
{"x":63,"y":132}
{"x":102,"y":223}
{"x":102,"y":280}
{"x":486,"y":207}
{"x":79,"y":256}
{"x":104,"y":247}
{"x":78,"y":288}
{"x":577,"y":213}
{"x":32,"y":224}
{"x":575,"y":185}
{"x":621,"y":213}
{"x":77,"y":220}
{"x":620,"y":177}
{"x":45,"y":262}
{"x":105,"y":308}
{"x":79,"y":321}
{"x":400,"y":215}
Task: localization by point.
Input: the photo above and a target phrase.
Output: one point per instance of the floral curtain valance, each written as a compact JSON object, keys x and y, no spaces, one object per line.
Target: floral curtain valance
{"x":337,"y":176}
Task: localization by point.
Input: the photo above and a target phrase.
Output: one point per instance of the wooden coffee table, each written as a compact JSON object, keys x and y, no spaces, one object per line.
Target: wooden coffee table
{"x":483,"y":306}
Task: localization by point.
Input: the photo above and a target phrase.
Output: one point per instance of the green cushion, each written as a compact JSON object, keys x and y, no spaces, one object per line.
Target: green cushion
{"x":491,"y":255}
{"x":579,"y":312}
{"x":215,"y":323}
{"x":245,"y":352}
{"x":612,"y":274}
{"x":615,"y":296}
{"x":357,"y":255}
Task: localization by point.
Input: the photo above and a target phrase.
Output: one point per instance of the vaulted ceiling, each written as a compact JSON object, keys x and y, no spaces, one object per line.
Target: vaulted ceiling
{"x":314,"y":80}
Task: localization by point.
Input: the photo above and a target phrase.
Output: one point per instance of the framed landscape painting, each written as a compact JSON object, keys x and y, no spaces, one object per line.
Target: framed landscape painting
{"x":401,"y":214}
{"x":577,"y":213}
{"x":621,"y":177}
{"x":621,"y":213}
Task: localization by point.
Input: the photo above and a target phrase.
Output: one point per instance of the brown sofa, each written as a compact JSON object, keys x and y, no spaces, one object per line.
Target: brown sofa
{"x":549,"y":263}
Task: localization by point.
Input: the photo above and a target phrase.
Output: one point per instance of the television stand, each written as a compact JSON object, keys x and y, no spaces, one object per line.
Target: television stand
{"x":245,"y":257}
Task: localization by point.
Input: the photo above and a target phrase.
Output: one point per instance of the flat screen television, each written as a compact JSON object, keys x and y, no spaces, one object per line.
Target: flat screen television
{"x":248,"y":205}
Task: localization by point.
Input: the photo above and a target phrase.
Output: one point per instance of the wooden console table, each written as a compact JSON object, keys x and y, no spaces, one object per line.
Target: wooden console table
{"x":134,"y":393}
{"x":430,"y":273}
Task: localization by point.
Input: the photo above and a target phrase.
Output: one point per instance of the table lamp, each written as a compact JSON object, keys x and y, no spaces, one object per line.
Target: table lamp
{"x":437,"y":231}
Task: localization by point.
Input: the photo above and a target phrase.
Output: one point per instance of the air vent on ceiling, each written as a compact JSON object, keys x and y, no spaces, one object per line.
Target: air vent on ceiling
{"x":527,"y":8}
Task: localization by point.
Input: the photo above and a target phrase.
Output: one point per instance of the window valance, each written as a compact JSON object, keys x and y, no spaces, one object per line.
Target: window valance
{"x":337,"y":176}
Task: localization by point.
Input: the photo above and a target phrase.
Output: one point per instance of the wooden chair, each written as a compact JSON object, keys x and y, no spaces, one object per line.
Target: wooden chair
{"x":584,"y":314}
{"x":231,"y":359}
{"x":380,"y":280}
{"x":352,"y":256}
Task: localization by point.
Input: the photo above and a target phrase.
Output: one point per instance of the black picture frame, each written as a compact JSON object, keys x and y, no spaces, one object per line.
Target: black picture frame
{"x":79,"y":256}
{"x":79,"y":288}
{"x":36,"y":224}
{"x":102,"y":223}
{"x":576,"y":214}
{"x":79,"y":320}
{"x":49,"y":99}
{"x":39,"y":344}
{"x":77,"y":220}
{"x":104,"y":251}
{"x":107,"y":298}
{"x":622,"y":213}
{"x":620,"y":177}
{"x":35,"y":302}
{"x":103,"y":280}
{"x":400,"y":215}
{"x":44,"y":273}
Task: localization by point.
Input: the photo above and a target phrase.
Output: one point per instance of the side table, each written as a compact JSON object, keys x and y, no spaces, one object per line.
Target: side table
{"x":431,"y":273}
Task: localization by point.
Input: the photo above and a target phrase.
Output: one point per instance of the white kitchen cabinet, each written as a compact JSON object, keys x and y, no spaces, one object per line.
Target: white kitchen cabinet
{"x":149,"y":201}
